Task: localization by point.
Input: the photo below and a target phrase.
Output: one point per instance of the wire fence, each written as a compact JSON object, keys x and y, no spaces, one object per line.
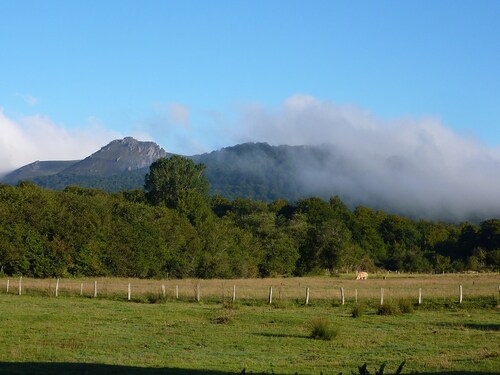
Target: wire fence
{"x":343,"y":289}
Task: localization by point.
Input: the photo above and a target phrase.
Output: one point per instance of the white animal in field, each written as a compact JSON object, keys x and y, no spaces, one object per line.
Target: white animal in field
{"x":361,"y":275}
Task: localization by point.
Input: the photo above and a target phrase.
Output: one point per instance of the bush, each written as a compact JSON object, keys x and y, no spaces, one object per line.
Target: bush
{"x":229,"y":305}
{"x":154,"y":298}
{"x":322,"y":329}
{"x":224,"y":318}
{"x":282,"y":304}
{"x":405,"y":306}
{"x":388,"y":308}
{"x":358,"y":310}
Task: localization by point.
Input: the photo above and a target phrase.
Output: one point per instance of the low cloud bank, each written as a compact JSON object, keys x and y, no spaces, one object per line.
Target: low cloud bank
{"x":412,"y":166}
{"x":417,"y":167}
{"x":25,"y":140}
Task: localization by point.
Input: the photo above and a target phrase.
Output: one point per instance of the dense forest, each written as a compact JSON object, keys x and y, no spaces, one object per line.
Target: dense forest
{"x":175,"y":228}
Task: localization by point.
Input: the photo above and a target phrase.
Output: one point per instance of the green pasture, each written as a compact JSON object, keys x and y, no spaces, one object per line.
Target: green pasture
{"x":47,"y":335}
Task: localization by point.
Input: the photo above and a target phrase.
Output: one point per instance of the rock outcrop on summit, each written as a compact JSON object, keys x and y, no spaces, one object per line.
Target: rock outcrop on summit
{"x":120,"y":155}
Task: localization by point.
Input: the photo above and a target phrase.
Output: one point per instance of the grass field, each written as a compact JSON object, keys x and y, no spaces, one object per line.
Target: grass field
{"x":83,"y":335}
{"x":321,"y":288}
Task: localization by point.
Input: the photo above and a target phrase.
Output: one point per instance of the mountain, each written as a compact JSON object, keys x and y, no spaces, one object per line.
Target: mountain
{"x":263,"y":172}
{"x":121,"y":155}
{"x":120,"y":165}
{"x":258,"y":171}
{"x":251,"y":170}
{"x":37,"y":169}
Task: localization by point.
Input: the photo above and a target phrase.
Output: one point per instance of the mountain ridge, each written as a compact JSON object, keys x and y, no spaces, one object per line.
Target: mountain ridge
{"x":247,"y":170}
{"x":264,"y":172}
{"x":127,"y":154}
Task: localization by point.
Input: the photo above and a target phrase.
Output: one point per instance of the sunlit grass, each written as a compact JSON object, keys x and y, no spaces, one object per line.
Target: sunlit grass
{"x":321,"y":288}
{"x":228,"y":337}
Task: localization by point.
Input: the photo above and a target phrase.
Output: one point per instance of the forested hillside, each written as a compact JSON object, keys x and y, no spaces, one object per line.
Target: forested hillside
{"x":185,"y":232}
{"x":262,"y":172}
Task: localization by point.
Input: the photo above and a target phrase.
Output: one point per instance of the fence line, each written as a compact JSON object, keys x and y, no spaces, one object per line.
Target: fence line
{"x":247,"y":290}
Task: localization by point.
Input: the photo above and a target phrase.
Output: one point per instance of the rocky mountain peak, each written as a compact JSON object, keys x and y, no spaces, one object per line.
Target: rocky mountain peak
{"x":120,"y":155}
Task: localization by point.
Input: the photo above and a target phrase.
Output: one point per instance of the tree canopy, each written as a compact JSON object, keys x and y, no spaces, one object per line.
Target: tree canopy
{"x":171,"y":181}
{"x":175,"y":229}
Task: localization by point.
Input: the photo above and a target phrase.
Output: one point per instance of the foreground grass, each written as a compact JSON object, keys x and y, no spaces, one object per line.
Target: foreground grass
{"x":208,"y":338}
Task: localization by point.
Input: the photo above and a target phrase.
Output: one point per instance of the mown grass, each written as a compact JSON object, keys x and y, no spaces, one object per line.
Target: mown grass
{"x":225,"y":338}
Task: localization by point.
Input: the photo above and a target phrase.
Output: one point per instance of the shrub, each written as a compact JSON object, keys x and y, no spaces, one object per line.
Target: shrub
{"x":223,"y":318}
{"x":322,"y":329}
{"x":155,"y":298}
{"x":281,"y":304}
{"x":388,"y":308}
{"x":229,"y":305}
{"x":358,"y":310}
{"x":405,"y":306}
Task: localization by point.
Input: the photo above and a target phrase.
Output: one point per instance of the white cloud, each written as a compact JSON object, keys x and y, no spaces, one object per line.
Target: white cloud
{"x":415,"y":166}
{"x":27,"y":139}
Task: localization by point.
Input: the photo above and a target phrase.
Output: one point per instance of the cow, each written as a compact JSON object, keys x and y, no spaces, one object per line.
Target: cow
{"x":361,"y":275}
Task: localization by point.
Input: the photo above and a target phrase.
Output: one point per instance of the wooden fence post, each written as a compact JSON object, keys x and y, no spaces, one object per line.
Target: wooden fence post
{"x":57,"y":287}
{"x":8,"y":284}
{"x":163,"y":290}
{"x":95,"y":289}
{"x":342,"y":297}
{"x":381,"y":296}
{"x":20,"y":285}
{"x":129,"y":295}
{"x":198,"y":292}
{"x":270,"y":295}
{"x":460,"y":290}
{"x":81,"y":289}
{"x":419,"y":296}
{"x":307,"y":296}
{"x":234,"y":293}
{"x":177,"y":292}
{"x":356,"y":295}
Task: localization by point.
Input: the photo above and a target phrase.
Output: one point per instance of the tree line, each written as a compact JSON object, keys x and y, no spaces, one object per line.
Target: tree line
{"x":174,"y":228}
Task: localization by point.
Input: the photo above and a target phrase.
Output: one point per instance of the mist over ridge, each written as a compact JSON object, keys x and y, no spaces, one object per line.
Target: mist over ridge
{"x":416,"y":167}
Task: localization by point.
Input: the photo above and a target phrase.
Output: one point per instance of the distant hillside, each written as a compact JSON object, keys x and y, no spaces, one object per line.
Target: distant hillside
{"x":262,"y":172}
{"x":251,"y":170}
{"x":37,"y":169}
{"x":256,"y":170}
{"x":127,"y":180}
{"x":120,"y":165}
{"x":122,"y":155}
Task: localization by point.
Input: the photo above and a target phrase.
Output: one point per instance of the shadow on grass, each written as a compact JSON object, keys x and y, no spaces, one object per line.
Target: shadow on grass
{"x":33,"y":368}
{"x":478,"y":326}
{"x":483,"y":327}
{"x":282,"y":335}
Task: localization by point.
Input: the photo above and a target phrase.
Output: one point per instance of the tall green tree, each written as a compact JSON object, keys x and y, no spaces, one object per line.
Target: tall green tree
{"x":178,"y":183}
{"x":328,"y":239}
{"x":365,"y":233}
{"x":170,"y":180}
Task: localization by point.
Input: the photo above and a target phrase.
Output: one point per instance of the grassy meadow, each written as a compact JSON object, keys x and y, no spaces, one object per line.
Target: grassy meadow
{"x":155,"y":334}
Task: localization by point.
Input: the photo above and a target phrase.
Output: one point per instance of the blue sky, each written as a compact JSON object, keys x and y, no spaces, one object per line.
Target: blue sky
{"x":196,"y":75}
